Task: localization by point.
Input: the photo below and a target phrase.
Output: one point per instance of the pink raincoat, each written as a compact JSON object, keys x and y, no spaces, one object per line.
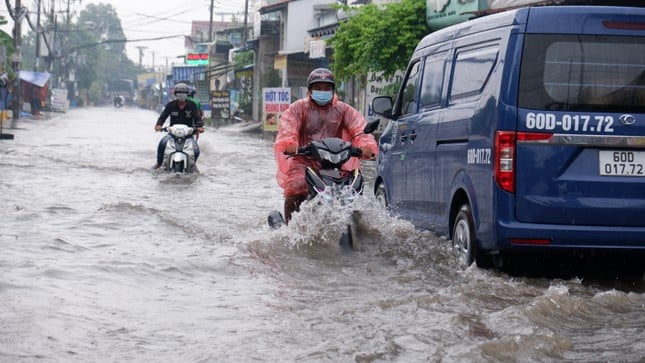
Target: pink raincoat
{"x":305,"y":121}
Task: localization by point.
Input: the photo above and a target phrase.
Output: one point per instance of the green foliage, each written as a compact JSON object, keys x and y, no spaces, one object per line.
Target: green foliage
{"x":92,"y":46}
{"x":242,"y":59}
{"x":377,"y":39}
{"x":271,"y":78}
{"x":104,"y":46}
{"x":102,"y":21}
{"x":95,"y":92}
{"x":391,"y":89}
{"x":7,"y":41}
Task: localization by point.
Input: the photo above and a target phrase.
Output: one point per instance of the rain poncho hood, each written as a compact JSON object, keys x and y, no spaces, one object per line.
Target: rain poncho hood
{"x":305,"y":121}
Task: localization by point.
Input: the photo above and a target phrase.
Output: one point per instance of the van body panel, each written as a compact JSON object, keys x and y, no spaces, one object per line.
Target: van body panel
{"x":569,"y":83}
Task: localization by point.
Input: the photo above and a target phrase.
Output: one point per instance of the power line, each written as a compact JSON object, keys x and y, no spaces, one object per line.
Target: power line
{"x":123,"y":41}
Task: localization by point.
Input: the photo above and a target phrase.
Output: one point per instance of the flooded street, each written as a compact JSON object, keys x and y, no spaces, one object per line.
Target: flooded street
{"x":104,"y":259}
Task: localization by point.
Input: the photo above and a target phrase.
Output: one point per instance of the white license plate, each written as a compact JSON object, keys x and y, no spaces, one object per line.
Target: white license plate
{"x":621,"y":162}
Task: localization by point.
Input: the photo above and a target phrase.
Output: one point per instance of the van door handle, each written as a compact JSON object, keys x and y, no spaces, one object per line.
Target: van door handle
{"x":411,"y":136}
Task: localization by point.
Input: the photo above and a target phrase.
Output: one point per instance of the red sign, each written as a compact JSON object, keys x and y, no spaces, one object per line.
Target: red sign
{"x":197,"y":58}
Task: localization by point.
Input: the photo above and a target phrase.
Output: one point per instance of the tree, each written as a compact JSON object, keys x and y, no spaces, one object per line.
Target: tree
{"x":102,"y":50}
{"x":377,"y":38}
{"x":92,"y":46}
{"x":7,"y":41}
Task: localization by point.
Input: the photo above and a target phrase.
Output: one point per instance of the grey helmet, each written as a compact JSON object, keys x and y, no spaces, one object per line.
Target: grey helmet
{"x":181,"y":88}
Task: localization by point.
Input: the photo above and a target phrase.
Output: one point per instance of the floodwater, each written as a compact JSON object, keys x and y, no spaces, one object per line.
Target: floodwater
{"x":104,"y":259}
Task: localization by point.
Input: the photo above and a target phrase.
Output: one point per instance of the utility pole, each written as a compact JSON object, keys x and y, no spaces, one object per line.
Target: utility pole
{"x":52,"y":48}
{"x":38,"y":35}
{"x":246,"y":21}
{"x":16,"y":61}
{"x":141,"y":48}
{"x":210,"y":27}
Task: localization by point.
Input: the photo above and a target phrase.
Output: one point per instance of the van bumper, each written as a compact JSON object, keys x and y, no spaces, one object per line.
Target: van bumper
{"x":548,"y":236}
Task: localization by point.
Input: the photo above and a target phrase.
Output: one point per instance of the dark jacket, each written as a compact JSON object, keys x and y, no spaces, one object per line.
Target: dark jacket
{"x":189,"y":115}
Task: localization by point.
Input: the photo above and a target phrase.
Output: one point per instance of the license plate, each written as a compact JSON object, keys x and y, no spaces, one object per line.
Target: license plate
{"x":621,"y":162}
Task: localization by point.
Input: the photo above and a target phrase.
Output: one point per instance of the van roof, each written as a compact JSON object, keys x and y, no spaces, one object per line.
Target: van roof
{"x":563,"y":19}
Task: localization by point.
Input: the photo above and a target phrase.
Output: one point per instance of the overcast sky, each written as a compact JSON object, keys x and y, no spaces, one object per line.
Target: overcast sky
{"x":151,"y":19}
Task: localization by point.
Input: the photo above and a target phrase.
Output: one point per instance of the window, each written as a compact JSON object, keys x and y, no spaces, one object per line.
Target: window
{"x":473,"y":67}
{"x":409,"y":98}
{"x":591,"y":73}
{"x":432,"y":80}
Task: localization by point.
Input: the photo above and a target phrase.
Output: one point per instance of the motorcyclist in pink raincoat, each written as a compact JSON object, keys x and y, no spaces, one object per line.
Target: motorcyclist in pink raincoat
{"x":316,"y":117}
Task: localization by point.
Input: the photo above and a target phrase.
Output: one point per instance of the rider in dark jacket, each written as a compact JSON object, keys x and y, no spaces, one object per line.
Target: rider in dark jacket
{"x":181,"y":111}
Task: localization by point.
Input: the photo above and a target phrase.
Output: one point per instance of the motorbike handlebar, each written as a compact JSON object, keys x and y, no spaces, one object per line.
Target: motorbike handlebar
{"x":306,"y":150}
{"x":356,"y":151}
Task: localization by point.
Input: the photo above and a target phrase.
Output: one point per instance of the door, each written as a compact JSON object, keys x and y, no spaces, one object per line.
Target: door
{"x":581,"y":140}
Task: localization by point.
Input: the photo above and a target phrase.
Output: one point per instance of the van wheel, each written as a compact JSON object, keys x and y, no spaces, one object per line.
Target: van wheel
{"x":381,"y":197}
{"x":463,"y":236}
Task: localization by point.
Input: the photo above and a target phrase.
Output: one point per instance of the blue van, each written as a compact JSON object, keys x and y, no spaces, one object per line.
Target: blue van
{"x":522,"y":131}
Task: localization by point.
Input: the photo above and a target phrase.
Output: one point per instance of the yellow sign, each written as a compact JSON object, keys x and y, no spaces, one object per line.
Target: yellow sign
{"x":280,"y":61}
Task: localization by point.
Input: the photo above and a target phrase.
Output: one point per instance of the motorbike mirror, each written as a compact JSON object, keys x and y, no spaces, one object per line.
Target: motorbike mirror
{"x":371,"y":126}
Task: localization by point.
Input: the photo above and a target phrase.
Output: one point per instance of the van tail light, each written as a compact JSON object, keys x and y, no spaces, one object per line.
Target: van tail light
{"x":504,"y":160}
{"x":505,"y":148}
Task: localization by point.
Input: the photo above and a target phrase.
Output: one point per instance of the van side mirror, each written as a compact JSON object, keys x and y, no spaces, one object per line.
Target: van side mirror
{"x":382,"y":105}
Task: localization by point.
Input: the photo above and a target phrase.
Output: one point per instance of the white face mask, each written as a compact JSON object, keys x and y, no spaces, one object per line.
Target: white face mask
{"x":322,"y":98}
{"x":181,"y":96}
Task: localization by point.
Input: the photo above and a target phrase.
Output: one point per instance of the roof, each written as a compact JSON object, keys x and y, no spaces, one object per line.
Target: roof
{"x":323,"y":31}
{"x":279,"y":5}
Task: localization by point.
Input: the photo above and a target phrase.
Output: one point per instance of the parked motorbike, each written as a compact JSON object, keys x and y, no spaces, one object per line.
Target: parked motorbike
{"x":329,"y":183}
{"x":179,"y":155}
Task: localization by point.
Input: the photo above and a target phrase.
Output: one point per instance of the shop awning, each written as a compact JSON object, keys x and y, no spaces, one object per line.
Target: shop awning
{"x":37,"y":78}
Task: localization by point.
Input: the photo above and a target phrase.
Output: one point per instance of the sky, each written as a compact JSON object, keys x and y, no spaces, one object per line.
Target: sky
{"x":145,"y":20}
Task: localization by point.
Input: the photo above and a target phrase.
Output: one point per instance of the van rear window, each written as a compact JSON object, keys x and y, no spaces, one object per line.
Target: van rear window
{"x":583,"y":73}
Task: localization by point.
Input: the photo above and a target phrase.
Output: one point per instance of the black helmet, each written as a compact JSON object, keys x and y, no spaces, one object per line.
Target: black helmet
{"x":321,"y":75}
{"x":181,"y":88}
{"x":191,"y":91}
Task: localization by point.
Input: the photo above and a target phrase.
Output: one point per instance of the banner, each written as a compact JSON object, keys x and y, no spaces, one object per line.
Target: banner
{"x":221,"y":105}
{"x":59,"y":101}
{"x":376,"y":84}
{"x":275,"y":101}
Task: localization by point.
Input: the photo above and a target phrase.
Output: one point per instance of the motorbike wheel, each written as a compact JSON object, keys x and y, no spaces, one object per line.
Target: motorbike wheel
{"x":275,"y":219}
{"x":347,"y":238}
{"x":178,"y":167}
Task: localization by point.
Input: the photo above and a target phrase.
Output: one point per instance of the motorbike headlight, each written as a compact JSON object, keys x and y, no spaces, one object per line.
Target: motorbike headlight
{"x":334,"y":158}
{"x":343,"y":155}
{"x":181,"y":130}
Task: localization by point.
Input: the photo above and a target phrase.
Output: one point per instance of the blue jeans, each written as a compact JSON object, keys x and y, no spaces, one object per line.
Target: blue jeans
{"x":162,"y":147}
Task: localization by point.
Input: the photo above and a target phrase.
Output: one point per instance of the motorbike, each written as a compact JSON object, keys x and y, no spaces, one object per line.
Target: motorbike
{"x":118,"y":101}
{"x":179,"y":155}
{"x":329,"y":183}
